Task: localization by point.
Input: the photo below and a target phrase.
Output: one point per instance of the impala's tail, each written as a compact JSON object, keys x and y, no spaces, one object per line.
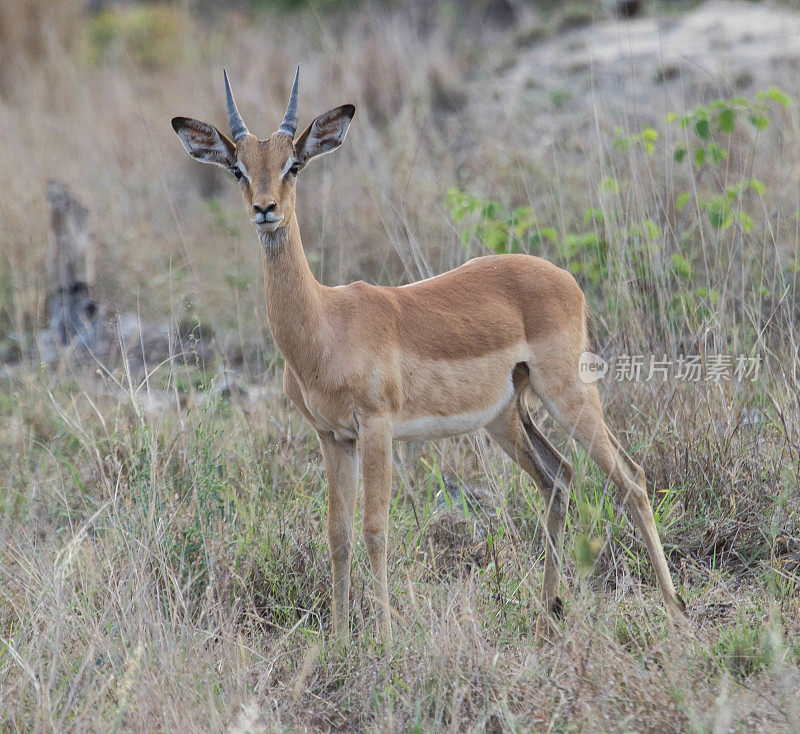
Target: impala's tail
{"x":589,"y":334}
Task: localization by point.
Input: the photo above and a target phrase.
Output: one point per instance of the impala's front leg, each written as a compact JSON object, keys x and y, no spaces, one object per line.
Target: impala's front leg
{"x":341,"y":467}
{"x":376,"y":459}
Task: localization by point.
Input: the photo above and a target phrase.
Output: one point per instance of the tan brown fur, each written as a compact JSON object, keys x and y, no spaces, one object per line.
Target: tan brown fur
{"x":449,"y":354}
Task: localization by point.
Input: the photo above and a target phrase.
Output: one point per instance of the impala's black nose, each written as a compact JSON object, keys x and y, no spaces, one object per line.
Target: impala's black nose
{"x":262,"y":209}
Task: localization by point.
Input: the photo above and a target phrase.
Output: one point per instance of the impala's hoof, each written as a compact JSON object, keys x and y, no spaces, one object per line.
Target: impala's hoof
{"x":676,"y":607}
{"x":676,"y":612}
{"x":547,"y":628}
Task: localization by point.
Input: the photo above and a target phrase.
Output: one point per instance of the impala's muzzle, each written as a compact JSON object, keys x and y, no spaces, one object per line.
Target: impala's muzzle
{"x":266,"y":216}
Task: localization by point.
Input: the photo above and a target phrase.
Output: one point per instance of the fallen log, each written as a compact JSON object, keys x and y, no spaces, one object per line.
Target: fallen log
{"x":78,"y":325}
{"x":73,"y":316}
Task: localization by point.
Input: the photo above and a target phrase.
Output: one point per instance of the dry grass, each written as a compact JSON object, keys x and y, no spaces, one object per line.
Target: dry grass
{"x":163,"y":562}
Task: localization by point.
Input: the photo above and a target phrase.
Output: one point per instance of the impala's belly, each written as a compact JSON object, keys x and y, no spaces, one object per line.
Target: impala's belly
{"x":440,"y":426}
{"x":448,"y":398}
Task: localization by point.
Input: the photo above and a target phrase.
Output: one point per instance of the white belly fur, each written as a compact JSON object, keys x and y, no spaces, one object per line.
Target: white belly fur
{"x":430,"y":427}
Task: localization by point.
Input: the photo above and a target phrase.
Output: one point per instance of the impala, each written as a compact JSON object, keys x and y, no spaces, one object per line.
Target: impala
{"x":370,"y":364}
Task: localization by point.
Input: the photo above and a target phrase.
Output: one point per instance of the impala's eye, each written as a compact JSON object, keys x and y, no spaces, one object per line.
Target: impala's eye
{"x":295,"y":167}
{"x":237,"y":173}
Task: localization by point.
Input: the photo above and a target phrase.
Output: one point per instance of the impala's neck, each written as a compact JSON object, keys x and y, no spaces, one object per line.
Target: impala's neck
{"x":293,"y":294}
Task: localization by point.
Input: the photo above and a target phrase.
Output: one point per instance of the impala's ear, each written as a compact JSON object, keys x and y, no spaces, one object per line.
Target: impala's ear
{"x":204,"y":142}
{"x":325,"y":134}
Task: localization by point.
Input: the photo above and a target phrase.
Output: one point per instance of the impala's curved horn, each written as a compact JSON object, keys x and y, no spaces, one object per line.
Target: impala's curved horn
{"x":289,"y":124}
{"x":238,"y":128}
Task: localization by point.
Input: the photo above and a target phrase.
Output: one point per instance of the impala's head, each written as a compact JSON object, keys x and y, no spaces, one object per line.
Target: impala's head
{"x":265,"y":169}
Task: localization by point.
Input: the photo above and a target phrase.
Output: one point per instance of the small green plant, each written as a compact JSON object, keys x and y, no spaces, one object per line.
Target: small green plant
{"x":717,"y":119}
{"x":646,"y":138}
{"x":744,"y":650}
{"x":499,"y":229}
{"x":636,"y":635}
{"x":559,"y":98}
{"x":708,"y":142}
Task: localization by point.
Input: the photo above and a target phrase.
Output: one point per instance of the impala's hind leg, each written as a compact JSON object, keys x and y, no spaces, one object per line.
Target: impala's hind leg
{"x":519,"y":437}
{"x":576,"y":405}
